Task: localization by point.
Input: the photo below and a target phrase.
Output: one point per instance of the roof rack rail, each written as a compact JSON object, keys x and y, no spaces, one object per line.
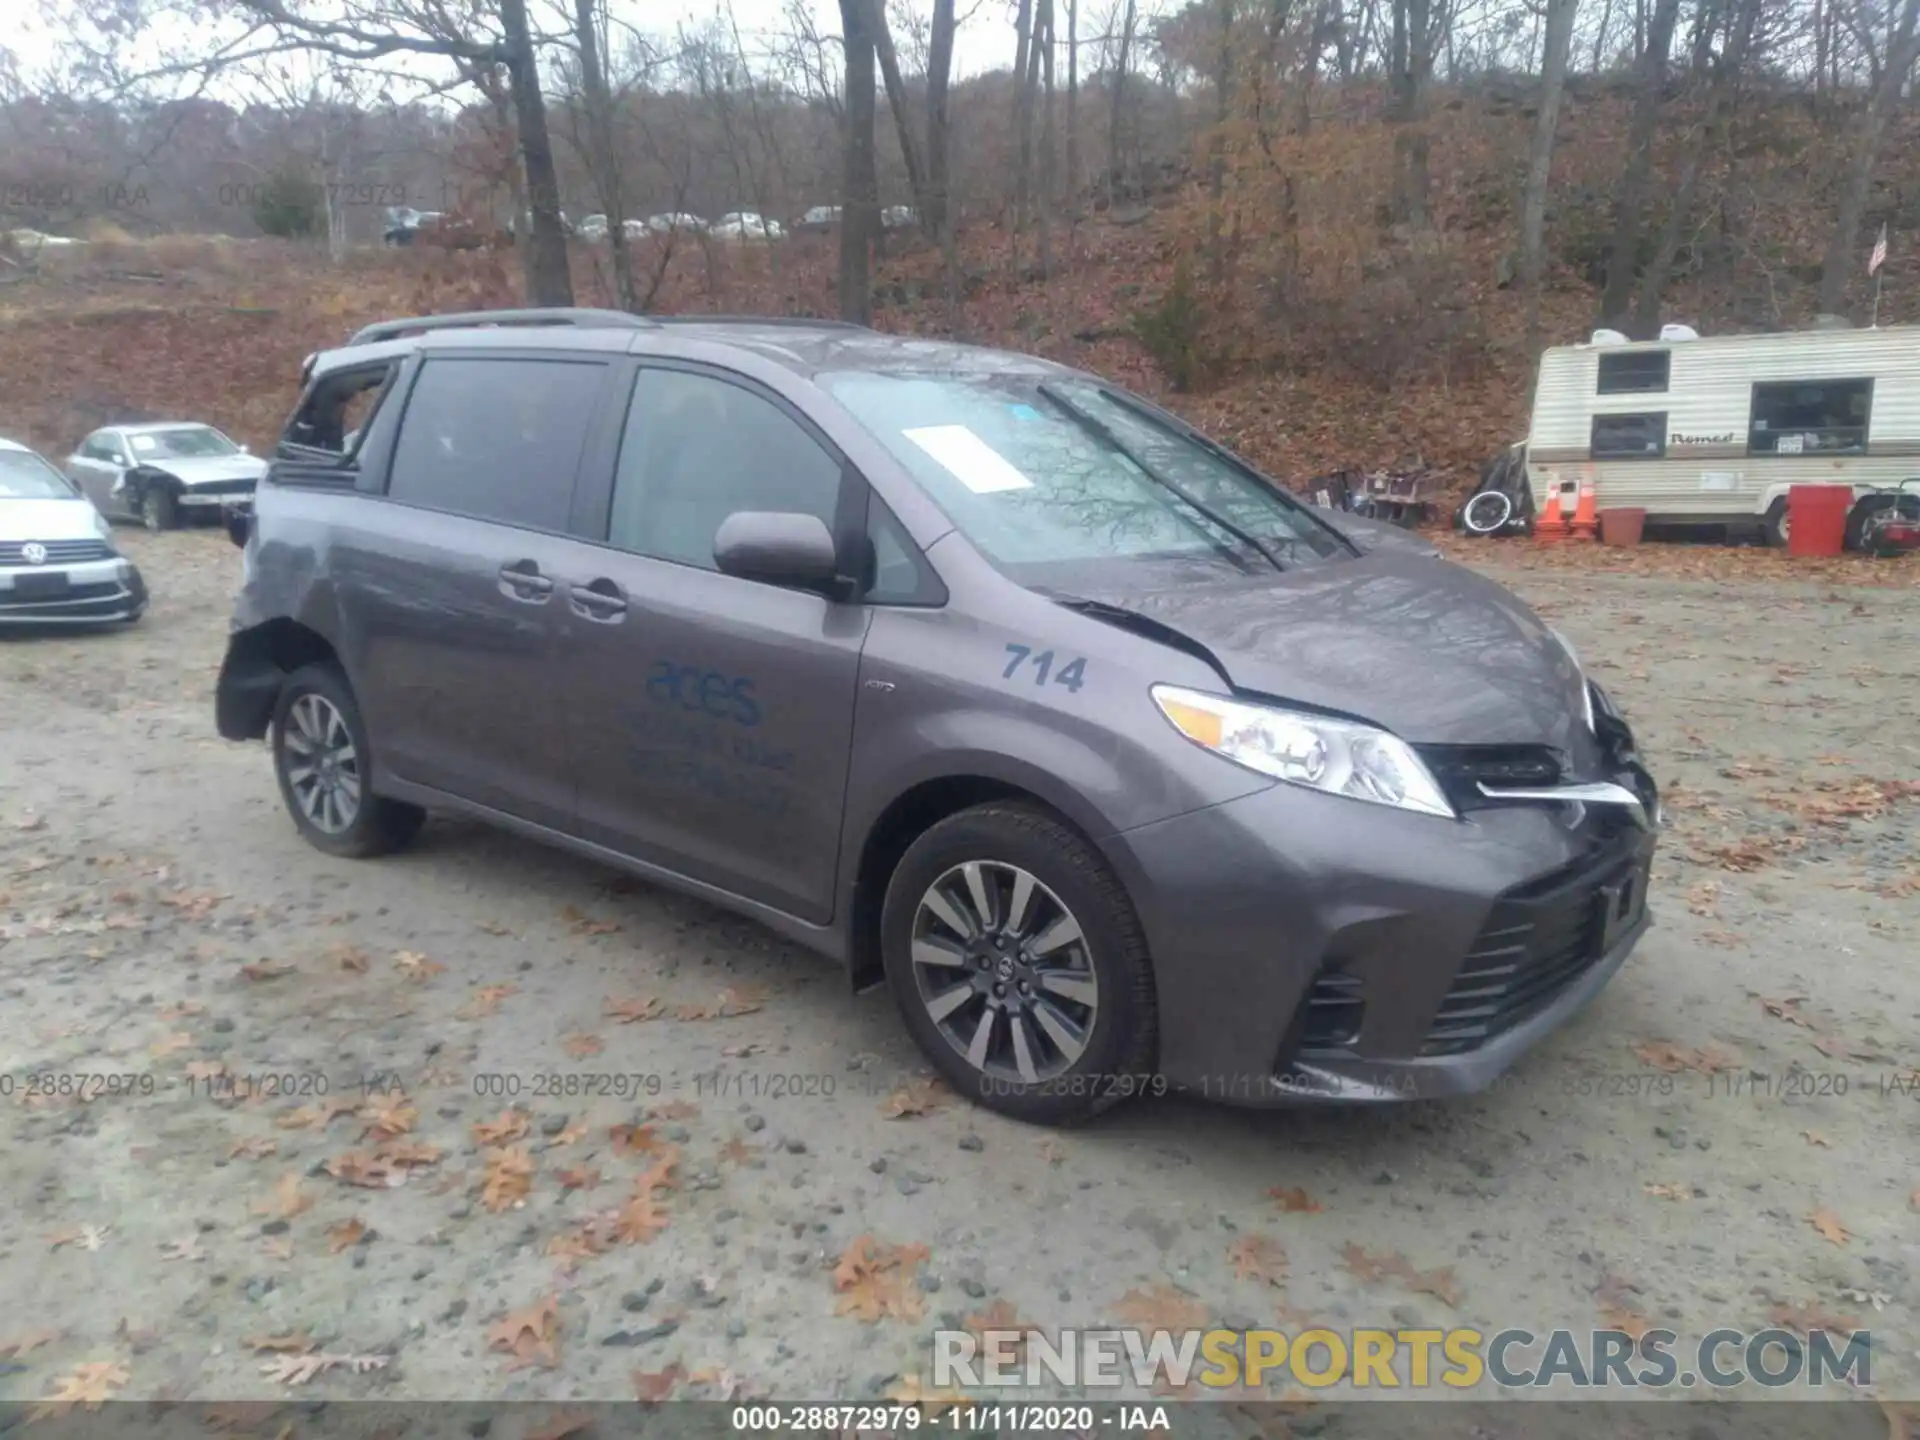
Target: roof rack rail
{"x":477,"y":319}
{"x":812,"y":321}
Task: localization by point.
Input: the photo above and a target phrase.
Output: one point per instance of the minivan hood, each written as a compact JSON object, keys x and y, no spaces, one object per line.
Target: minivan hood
{"x":73,"y":519}
{"x":1426,"y":648}
{"x":203,"y":469}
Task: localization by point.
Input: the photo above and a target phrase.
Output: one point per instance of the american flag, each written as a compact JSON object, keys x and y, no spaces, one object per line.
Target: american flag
{"x":1879,"y":256}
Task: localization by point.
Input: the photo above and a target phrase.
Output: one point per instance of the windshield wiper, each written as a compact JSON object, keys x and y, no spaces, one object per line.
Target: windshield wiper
{"x":1226,"y":457}
{"x":1122,"y":618}
{"x":1103,"y":432}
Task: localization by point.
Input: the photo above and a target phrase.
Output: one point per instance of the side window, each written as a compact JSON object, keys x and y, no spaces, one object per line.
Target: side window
{"x":98,"y":446}
{"x":1634,"y":372}
{"x":899,"y":575}
{"x":496,"y":439}
{"x":338,"y":408}
{"x":1827,"y":417}
{"x":1630,"y":437}
{"x":696,"y":449}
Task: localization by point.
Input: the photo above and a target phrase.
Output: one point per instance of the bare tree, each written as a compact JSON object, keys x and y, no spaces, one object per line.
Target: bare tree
{"x":860,"y":200}
{"x":1903,"y":47}
{"x":1533,"y":203}
{"x":1117,"y":87}
{"x":1631,"y":200}
{"x":603,"y":155}
{"x":1411,"y":68}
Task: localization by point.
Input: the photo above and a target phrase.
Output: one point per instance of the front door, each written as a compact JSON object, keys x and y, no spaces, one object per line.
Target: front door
{"x":712,"y":717}
{"x":449,"y":587}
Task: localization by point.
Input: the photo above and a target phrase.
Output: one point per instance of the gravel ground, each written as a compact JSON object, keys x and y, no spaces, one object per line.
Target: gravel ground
{"x":376,"y":1109}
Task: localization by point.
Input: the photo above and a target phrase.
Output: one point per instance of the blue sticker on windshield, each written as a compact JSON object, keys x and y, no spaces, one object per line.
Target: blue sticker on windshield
{"x":1024,"y":412}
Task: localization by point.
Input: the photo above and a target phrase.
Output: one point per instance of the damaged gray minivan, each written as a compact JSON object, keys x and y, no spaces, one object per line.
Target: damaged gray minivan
{"x":1125,"y":770}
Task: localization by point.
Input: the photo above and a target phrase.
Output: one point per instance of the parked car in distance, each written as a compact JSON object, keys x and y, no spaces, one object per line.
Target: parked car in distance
{"x":593,"y":227}
{"x":58,"y":561}
{"x":745,"y":225}
{"x":818,"y":219}
{"x":163,"y":473}
{"x":899,"y":217}
{"x":1122,"y":767}
{"x":666,"y":224}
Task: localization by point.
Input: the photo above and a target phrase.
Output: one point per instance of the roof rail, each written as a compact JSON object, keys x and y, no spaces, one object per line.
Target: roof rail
{"x":477,"y":319}
{"x":810,"y":321}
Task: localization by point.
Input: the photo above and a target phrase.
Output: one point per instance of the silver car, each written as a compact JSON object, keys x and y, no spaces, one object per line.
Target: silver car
{"x":161,"y":473}
{"x":58,"y":562}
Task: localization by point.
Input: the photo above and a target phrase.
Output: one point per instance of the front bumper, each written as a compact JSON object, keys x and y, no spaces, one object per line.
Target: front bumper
{"x":95,"y":592}
{"x":1313,"y":949}
{"x":218,"y":495}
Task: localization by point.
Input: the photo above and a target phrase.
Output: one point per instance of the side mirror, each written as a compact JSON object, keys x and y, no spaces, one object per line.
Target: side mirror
{"x":116,"y":458}
{"x":777,"y":548}
{"x":239,"y":520}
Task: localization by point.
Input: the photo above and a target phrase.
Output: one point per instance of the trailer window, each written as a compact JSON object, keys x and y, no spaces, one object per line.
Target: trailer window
{"x":1800,"y":417}
{"x":1636,"y":372}
{"x":1629,"y":437}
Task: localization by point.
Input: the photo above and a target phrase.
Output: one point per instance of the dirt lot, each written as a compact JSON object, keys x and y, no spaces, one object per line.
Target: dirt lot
{"x":341,"y":1105}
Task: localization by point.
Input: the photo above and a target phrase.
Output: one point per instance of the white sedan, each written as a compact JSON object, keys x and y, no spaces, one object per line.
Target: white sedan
{"x":58,"y":562}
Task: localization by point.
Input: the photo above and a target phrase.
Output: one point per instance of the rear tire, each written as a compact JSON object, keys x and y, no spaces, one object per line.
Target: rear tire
{"x":1907,"y":507}
{"x":1058,"y":972}
{"x":321,"y":759}
{"x":1777,"y":528}
{"x":1487,"y":513}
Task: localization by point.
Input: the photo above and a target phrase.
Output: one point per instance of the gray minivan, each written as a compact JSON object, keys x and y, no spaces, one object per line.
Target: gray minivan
{"x":1125,"y":770}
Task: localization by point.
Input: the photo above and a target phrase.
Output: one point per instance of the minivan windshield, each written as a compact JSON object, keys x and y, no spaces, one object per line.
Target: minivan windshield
{"x":188,"y":442}
{"x":25,"y":476}
{"x":1040,"y":471}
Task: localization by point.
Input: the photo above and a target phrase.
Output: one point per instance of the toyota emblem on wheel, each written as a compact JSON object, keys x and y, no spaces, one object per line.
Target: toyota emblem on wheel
{"x":34,"y":553}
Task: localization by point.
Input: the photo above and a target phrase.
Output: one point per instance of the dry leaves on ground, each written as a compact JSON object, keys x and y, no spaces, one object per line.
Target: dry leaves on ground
{"x":1664,"y":1191}
{"x":511,"y":1126}
{"x":89,"y":1385}
{"x":369,"y":1172}
{"x":578,"y":1177}
{"x":578,"y":923}
{"x":732,"y":1001}
{"x":629,"y":1012}
{"x":1255,"y":1257}
{"x":582,"y":1242}
{"x":531,"y":1335}
{"x":350,"y":958}
{"x":1370,"y":1268}
{"x":875,"y":1280}
{"x":912,"y":1390}
{"x":1674,"y":1058}
{"x":294,"y":1342}
{"x":1805,"y":1319}
{"x":508,"y":1178}
{"x":345,"y":1234}
{"x":417,"y":967}
{"x":266,"y":970}
{"x":1162,"y":1307}
{"x":86,"y":1237}
{"x":388,"y":1116}
{"x":299,"y":1369}
{"x":1787,"y":1008}
{"x":320,"y":1114}
{"x":580,"y":1047}
{"x":634,"y":1139}
{"x":1294,"y":1201}
{"x":917,"y":1097}
{"x":1828,"y":1226}
{"x":1617,"y":1310}
{"x":486,"y":1001}
{"x":1000,"y":1317}
{"x":653,"y":1386}
{"x":288,"y":1198}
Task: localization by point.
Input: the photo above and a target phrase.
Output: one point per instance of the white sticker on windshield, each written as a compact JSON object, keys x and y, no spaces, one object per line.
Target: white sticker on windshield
{"x":976,"y":464}
{"x":142,"y":442}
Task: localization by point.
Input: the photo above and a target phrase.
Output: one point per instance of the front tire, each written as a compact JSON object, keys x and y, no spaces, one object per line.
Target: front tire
{"x":1019,"y":965}
{"x":320,"y":757}
{"x":159,"y":508}
{"x":1777,"y":528}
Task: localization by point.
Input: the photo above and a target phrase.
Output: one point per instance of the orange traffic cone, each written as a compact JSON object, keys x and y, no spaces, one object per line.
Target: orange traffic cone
{"x":1586,"y":515}
{"x":1551,"y":525}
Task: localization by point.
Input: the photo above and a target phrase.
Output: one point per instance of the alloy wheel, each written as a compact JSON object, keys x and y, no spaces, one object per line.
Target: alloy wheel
{"x":1003,"y":969}
{"x":322,"y":763}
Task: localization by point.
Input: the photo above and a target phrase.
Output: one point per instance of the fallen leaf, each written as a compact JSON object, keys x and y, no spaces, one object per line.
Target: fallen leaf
{"x":299,"y":1369}
{"x":1163,"y":1307}
{"x":277,"y":1247}
{"x":511,"y":1126}
{"x":349,"y":957}
{"x":673,"y":1110}
{"x":1000,"y":1316}
{"x":1674,"y":1058}
{"x":875,"y":1280}
{"x":657,"y":1385}
{"x":294,"y":1342}
{"x":266,"y":970}
{"x":917,"y":1097}
{"x":583,"y":1242}
{"x":508,"y":1178}
{"x":288,"y":1199}
{"x":1827,"y":1225}
{"x":345,"y":1234}
{"x":1669,"y":1191}
{"x":408,"y":1154}
{"x":531,"y":1336}
{"x":17,"y":1345}
{"x":486,"y":1001}
{"x":580,"y":924}
{"x":356,"y":1167}
{"x":634,"y":1139}
{"x":1787,"y":1008}
{"x":321,"y":1113}
{"x":1294,"y":1202}
{"x":572,"y":1135}
{"x":641,"y":1007}
{"x":1391,"y":1265}
{"x":911,"y":1390}
{"x":417,"y":967}
{"x":87,"y":1237}
{"x":1810,"y":1317}
{"x":187,"y":1248}
{"x":581,"y":1046}
{"x":579,"y":1177}
{"x":89,"y":1386}
{"x":737,"y":1152}
{"x":1255,"y":1257}
{"x":641,"y":1218}
{"x":1814,"y":1137}
{"x":169,"y":1044}
{"x":1617,"y":1311}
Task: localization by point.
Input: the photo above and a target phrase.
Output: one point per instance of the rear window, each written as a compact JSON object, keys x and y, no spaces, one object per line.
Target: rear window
{"x":1635,"y":372}
{"x":496,"y":439}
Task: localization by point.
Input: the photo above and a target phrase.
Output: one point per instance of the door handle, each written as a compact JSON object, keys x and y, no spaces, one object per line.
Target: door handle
{"x":521,"y":580}
{"x":598,"y":599}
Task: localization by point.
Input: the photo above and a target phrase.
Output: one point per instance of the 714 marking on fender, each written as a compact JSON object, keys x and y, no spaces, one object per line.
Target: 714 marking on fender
{"x":1072,"y":674}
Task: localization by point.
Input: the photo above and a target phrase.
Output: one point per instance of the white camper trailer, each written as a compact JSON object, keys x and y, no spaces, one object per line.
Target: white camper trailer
{"x":1715,"y":429}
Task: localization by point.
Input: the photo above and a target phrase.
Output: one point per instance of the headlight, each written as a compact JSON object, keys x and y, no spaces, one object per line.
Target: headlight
{"x":1586,"y":686}
{"x":1340,"y":757}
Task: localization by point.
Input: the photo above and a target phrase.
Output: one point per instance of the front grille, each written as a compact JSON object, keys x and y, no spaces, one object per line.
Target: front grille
{"x":59,"y":552}
{"x":1462,"y":769}
{"x":1537,"y":940}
